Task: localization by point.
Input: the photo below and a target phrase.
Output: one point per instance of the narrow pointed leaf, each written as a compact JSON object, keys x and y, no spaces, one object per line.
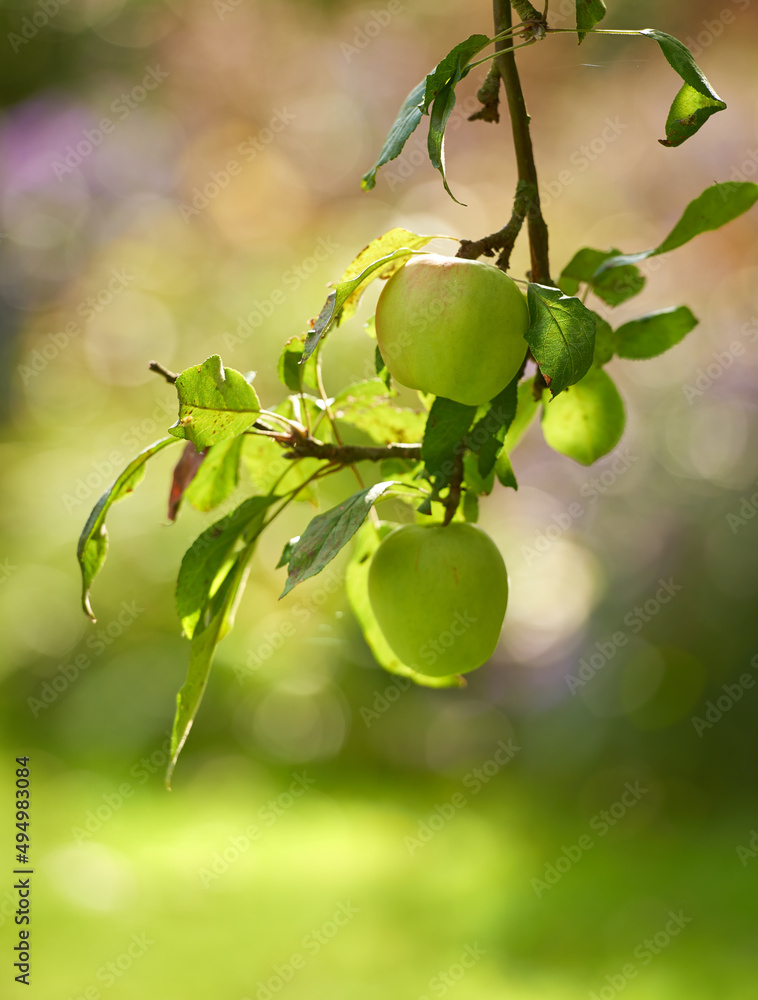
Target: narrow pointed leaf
{"x":715,"y":207}
{"x":561,"y":336}
{"x":215,"y":403}
{"x":205,"y":640}
{"x":328,"y":533}
{"x":93,"y":541}
{"x":652,"y":334}
{"x":442,"y":108}
{"x":417,"y":103}
{"x":210,"y":554}
{"x":408,"y":117}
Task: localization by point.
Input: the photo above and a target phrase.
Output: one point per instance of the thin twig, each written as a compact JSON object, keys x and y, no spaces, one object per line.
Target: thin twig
{"x":158,"y":368}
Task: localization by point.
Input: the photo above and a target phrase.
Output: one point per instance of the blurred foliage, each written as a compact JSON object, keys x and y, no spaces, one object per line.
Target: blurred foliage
{"x":296,"y":689}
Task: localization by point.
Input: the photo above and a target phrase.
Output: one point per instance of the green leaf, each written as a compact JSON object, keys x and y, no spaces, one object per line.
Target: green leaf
{"x":526,"y":407}
{"x":215,"y":403}
{"x":453,"y":67}
{"x":449,"y":70}
{"x":332,"y":309}
{"x":652,"y":334}
{"x":209,"y":559}
{"x":487,"y":435}
{"x":356,"y":588}
{"x":588,"y":14}
{"x":93,"y":541}
{"x":715,"y":207}
{"x":561,"y":336}
{"x":696,"y":101}
{"x":614,"y":286}
{"x":217,"y":477}
{"x":286,"y":555}
{"x":408,"y":117}
{"x":586,"y":422}
{"x":504,"y":471}
{"x":382,"y":370}
{"x":220,"y":613}
{"x":328,"y":533}
{"x":688,"y":113}
{"x":378,"y":249}
{"x":445,"y":431}
{"x":476,"y":483}
{"x":365,"y":407}
{"x":442,"y":108}
{"x":606,"y":342}
{"x":291,"y":370}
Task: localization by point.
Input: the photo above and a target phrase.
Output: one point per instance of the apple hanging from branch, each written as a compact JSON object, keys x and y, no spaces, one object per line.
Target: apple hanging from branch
{"x":452,"y":327}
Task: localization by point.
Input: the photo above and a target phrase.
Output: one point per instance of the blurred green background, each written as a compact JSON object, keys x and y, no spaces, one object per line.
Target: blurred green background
{"x":330,"y":833}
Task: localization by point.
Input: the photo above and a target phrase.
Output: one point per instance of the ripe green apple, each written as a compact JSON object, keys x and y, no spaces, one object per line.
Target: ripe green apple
{"x":439,"y":596}
{"x":452,"y":327}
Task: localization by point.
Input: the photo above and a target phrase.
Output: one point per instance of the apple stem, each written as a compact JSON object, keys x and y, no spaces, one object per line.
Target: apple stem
{"x":453,"y":498}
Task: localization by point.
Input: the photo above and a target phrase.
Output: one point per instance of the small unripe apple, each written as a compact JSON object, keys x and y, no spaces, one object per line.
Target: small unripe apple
{"x":452,"y":327}
{"x":439,"y":596}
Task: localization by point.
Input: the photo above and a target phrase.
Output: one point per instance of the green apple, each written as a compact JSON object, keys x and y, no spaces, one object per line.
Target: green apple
{"x":452,"y":327}
{"x":439,"y":596}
